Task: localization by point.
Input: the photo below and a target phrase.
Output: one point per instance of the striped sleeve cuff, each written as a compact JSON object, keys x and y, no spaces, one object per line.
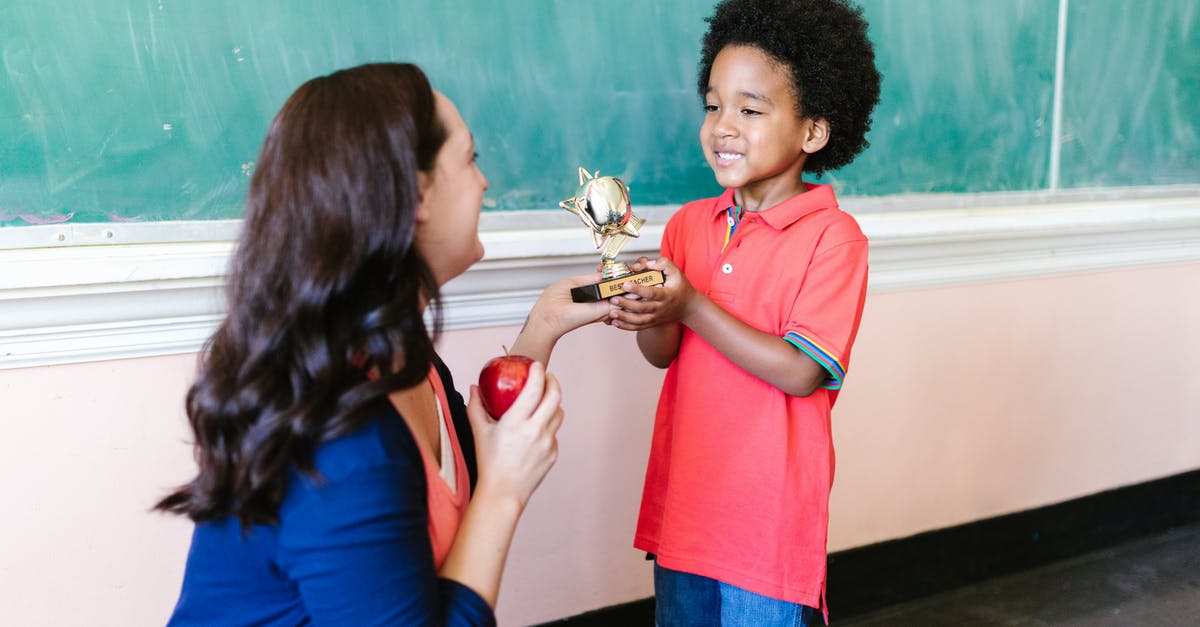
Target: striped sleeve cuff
{"x":837,"y":372}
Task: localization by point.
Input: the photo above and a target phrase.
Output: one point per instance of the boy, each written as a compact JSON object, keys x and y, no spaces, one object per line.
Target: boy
{"x":764,"y":292}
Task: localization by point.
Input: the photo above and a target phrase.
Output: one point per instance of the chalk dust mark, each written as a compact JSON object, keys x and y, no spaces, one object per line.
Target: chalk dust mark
{"x":50,"y":219}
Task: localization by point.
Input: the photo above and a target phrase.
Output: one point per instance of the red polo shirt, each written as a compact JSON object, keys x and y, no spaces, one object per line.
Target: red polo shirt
{"x":737,"y":486}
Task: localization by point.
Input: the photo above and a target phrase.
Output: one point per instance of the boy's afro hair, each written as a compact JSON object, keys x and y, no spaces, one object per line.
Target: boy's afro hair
{"x":824,"y":44}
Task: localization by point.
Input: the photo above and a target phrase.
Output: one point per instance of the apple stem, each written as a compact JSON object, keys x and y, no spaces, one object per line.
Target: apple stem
{"x":505,"y":349}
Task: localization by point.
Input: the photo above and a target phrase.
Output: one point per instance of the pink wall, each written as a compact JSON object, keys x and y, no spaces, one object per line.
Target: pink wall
{"x":85,"y":451}
{"x":970,"y":402}
{"x":962,"y":403}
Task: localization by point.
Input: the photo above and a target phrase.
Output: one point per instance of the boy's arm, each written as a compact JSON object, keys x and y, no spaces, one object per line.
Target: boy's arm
{"x":662,"y":308}
{"x":660,"y":344}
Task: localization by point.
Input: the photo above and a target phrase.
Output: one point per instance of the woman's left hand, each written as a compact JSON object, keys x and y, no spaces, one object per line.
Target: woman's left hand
{"x":561,"y":314}
{"x":555,"y":314}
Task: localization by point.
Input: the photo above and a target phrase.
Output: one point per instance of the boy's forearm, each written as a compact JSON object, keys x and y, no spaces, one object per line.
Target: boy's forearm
{"x":768,"y":357}
{"x":660,"y":344}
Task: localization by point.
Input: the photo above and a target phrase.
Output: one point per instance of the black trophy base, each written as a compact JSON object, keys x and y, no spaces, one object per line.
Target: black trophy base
{"x":612,"y":287}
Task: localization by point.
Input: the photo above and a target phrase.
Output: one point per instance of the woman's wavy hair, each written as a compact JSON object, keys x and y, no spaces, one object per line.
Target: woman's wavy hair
{"x":326,"y":282}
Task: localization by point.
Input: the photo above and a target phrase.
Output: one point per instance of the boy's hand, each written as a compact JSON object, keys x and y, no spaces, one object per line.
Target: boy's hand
{"x":644,"y":307}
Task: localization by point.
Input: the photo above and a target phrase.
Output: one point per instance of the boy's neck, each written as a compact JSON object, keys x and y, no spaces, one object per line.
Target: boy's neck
{"x":753,"y":198}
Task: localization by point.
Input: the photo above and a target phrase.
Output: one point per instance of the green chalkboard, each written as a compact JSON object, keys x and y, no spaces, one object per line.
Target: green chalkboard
{"x":967,"y":97}
{"x":151,"y":110}
{"x":116,"y":110}
{"x":1131,"y":110}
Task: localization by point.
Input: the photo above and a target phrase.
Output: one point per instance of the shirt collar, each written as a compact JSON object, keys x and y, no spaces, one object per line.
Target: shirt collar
{"x":785,"y":213}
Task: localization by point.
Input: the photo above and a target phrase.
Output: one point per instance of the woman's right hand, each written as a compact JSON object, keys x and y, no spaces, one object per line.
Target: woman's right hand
{"x":514,"y":455}
{"x":515,"y":452}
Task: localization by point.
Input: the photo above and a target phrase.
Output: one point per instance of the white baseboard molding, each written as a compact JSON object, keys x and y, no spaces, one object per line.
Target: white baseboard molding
{"x":136,"y":298}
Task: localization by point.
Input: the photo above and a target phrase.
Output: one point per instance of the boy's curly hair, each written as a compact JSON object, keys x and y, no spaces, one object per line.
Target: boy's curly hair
{"x":824,"y":44}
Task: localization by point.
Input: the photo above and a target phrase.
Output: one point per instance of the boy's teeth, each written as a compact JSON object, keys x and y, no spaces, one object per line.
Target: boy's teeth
{"x":728,"y":155}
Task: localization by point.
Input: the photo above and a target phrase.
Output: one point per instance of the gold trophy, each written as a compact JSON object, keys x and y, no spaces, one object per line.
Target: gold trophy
{"x":602,"y":202}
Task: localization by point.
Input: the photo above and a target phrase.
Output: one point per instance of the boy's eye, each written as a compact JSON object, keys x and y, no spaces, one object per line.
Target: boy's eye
{"x":750,"y":112}
{"x":710,"y":107}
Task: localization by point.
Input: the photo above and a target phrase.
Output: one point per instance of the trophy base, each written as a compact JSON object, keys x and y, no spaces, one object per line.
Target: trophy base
{"x":612,"y":287}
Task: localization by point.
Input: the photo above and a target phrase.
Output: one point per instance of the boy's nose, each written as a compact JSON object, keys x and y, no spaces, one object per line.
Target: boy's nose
{"x":724,"y":127}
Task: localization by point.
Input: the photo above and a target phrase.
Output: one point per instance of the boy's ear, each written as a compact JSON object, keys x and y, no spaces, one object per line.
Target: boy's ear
{"x":818,"y":135}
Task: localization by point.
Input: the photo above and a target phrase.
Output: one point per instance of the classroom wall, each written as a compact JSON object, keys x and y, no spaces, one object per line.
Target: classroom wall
{"x":962,"y":403}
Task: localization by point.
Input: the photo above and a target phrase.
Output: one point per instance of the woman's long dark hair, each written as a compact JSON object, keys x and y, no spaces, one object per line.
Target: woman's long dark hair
{"x":326,"y":280}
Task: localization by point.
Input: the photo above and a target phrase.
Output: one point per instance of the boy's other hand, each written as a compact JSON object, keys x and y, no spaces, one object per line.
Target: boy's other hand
{"x":644,"y":307}
{"x":640,"y":264}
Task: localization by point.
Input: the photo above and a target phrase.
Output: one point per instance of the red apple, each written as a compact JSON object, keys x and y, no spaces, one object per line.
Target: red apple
{"x":501,"y":380}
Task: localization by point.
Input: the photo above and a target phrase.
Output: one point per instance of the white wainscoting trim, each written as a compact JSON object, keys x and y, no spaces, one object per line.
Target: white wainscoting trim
{"x":137,"y":298}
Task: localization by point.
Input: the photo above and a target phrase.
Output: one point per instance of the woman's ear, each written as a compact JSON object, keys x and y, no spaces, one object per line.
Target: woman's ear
{"x":423,"y":182}
{"x":818,"y":135}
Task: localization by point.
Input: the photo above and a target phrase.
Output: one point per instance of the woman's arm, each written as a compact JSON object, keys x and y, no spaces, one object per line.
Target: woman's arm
{"x":514,"y":456}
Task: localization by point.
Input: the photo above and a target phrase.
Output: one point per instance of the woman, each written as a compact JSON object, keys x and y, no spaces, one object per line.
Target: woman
{"x":335,"y":458}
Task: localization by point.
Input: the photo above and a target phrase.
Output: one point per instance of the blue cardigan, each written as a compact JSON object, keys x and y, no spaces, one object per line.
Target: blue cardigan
{"x":352,"y":549}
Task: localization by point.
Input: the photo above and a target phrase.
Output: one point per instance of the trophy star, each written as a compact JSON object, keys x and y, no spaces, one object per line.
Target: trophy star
{"x":602,"y":204}
{"x":572,"y":205}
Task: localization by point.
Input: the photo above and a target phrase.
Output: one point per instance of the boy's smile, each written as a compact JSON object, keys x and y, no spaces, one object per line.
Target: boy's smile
{"x":753,"y":137}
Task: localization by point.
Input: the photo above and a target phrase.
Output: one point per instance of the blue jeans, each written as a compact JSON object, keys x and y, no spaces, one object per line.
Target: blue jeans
{"x":687,"y":600}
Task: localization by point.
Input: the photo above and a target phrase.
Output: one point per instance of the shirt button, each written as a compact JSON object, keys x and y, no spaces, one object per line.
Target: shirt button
{"x":729,"y":219}
{"x":727,"y":268}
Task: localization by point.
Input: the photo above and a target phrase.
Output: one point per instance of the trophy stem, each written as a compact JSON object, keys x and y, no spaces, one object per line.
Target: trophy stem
{"x":610,"y":269}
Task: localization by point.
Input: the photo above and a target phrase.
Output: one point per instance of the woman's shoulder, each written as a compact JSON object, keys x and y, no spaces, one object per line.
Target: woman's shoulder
{"x":377,"y":466}
{"x":383,"y":439}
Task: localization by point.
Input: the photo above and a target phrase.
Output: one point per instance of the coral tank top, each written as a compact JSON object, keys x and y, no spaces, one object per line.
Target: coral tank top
{"x":448,"y":487}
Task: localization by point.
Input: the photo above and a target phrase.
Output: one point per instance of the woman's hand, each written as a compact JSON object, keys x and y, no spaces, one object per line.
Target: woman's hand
{"x":515,"y":452}
{"x":554,"y":315}
{"x":560,"y":314}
